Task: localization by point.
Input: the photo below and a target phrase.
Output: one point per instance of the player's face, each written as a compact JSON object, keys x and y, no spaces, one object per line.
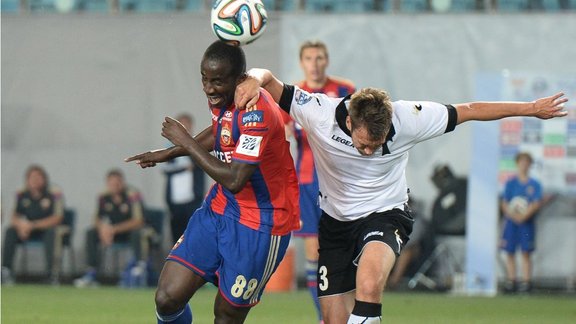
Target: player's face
{"x":115,"y":184}
{"x":35,"y":180}
{"x":362,"y":141}
{"x":217,"y":82}
{"x":524,"y":165}
{"x":314,"y":62}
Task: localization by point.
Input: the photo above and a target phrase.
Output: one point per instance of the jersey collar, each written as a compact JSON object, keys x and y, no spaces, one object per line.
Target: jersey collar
{"x":342,"y":113}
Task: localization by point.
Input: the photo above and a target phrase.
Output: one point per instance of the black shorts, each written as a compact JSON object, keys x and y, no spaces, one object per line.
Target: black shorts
{"x":341,"y":244}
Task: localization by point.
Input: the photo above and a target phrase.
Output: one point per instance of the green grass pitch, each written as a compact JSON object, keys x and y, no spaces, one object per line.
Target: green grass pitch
{"x":65,"y":304}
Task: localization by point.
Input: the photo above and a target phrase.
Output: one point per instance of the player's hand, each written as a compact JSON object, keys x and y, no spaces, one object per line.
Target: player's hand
{"x":247,"y":93}
{"x":149,"y":159}
{"x":24,"y":228}
{"x":175,"y":132}
{"x":550,"y":107}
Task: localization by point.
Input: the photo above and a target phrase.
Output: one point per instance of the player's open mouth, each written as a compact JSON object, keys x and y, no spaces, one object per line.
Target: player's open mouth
{"x":214,"y":100}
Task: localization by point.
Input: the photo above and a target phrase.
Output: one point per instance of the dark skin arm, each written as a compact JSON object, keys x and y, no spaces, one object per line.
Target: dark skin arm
{"x":151,"y":158}
{"x":233,"y":176}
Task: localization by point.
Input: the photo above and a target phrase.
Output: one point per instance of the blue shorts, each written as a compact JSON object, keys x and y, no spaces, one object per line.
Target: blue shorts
{"x":237,"y":259}
{"x":309,"y":210}
{"x":515,"y":235}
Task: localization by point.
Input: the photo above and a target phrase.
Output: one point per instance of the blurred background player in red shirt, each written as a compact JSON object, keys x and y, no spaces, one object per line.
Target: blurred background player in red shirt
{"x":314,"y":62}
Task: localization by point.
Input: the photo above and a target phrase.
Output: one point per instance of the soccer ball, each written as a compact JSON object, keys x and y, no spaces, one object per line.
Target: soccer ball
{"x":518,"y":204}
{"x":239,"y":22}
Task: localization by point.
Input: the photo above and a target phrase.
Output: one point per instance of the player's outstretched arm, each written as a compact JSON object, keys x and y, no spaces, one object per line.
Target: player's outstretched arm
{"x":248,"y":92}
{"x":151,"y":158}
{"x":233,"y":176}
{"x":543,"y":108}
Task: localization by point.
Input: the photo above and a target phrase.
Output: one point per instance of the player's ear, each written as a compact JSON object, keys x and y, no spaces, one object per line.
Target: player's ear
{"x":348,"y":123}
{"x":241,"y":78}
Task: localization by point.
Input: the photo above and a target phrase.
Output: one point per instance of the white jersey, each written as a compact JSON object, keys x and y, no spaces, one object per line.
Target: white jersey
{"x":353,"y":186}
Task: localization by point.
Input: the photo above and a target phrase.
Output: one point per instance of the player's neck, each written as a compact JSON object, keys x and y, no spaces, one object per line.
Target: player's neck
{"x":523,"y":177}
{"x":317,"y":84}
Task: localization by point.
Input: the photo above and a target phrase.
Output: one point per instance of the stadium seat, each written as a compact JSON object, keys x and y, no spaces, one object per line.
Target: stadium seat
{"x":10,"y":6}
{"x":62,"y":244}
{"x":191,"y":5}
{"x":340,"y":6}
{"x":93,"y":5}
{"x":413,"y":6}
{"x":41,"y":5}
{"x":148,"y":6}
{"x":150,"y":238}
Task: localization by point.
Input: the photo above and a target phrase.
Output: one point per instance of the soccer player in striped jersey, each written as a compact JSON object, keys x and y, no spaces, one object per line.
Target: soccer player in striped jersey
{"x":314,"y":61}
{"x":241,"y":233}
{"x":360,"y":145}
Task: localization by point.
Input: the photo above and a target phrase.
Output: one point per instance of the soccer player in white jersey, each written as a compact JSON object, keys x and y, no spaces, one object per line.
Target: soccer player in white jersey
{"x":360,"y":144}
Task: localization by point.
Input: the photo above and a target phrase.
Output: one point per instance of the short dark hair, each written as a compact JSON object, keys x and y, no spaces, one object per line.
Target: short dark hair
{"x":115,"y":173}
{"x":371,"y":108}
{"x":313,"y":44}
{"x":233,"y":55}
{"x":524,"y":155}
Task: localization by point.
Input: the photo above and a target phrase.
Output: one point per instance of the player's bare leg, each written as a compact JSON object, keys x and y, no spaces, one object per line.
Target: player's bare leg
{"x":177,"y":284}
{"x":525,"y":285}
{"x":511,"y":266}
{"x":225,"y":313}
{"x":374,"y":267}
{"x":337,"y":308}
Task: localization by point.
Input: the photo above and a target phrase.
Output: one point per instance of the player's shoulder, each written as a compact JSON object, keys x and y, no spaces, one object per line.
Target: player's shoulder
{"x":21,"y":193}
{"x":414,"y":107}
{"x":55,"y":191}
{"x":133,"y":195}
{"x":265,"y":101}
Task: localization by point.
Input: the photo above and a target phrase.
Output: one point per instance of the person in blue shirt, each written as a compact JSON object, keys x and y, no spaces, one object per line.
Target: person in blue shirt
{"x":521,"y":200}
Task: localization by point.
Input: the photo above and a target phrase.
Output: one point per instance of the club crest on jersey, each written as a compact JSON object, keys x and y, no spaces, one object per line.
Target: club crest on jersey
{"x":249,"y":145}
{"x":225,"y":135}
{"x":178,"y":242}
{"x":417,"y":109}
{"x":252,"y":117}
{"x":302,"y":97}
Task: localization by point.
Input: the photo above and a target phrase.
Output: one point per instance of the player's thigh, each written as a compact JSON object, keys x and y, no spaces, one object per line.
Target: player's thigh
{"x":336,"y":270}
{"x":527,"y":237}
{"x":509,"y":240}
{"x":249,"y":258}
{"x":198,"y":248}
{"x":176,"y":285}
{"x":374,"y":266}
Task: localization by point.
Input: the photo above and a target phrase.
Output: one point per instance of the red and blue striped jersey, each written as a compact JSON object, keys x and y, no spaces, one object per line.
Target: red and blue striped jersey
{"x":269,"y":200}
{"x":335,"y":88}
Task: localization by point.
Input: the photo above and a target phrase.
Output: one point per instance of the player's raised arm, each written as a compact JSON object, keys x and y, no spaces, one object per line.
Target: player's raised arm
{"x":247,"y":92}
{"x":151,"y":158}
{"x":543,"y":108}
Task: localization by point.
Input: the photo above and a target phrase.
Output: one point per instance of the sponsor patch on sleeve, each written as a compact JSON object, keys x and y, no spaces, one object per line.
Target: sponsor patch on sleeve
{"x":249,"y":145}
{"x":253,"y":117}
{"x":302,"y":97}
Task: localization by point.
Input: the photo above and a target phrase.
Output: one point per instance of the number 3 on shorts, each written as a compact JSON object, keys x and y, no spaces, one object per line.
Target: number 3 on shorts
{"x":323,"y":284}
{"x":238,"y":288}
